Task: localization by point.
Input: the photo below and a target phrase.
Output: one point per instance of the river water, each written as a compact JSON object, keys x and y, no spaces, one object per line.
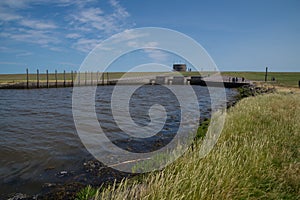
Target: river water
{"x":38,"y":138}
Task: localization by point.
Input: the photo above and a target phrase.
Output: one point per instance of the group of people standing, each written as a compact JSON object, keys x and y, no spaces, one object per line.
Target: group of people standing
{"x":236,"y":79}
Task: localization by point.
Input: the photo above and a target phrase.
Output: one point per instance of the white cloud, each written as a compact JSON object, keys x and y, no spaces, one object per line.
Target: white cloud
{"x":58,"y":49}
{"x":68,"y":64}
{"x":23,"y":29}
{"x":22,"y":4}
{"x":135,"y":40}
{"x":8,"y":16}
{"x":150,"y":48}
{"x":84,"y":22}
{"x":11,"y":63}
{"x":156,"y":55}
{"x":120,"y":12}
{"x":86,"y":45}
{"x":128,"y":36}
{"x":94,"y":19}
{"x":66,"y":3}
{"x":24,"y":54}
{"x":40,"y":37}
{"x":17,"y":52}
{"x":92,"y":23}
{"x":4,"y":49}
{"x":73,"y":35}
{"x":35,"y":24}
{"x":15,"y":4}
{"x":89,"y":15}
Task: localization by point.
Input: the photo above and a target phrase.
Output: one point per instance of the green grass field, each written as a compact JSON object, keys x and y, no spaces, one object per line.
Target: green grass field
{"x":289,"y":79}
{"x":256,"y":157}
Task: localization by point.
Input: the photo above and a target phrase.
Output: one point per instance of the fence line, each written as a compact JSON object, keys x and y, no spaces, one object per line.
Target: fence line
{"x":63,"y":79}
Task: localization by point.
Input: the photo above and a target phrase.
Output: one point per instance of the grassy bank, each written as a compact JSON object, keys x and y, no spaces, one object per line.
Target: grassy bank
{"x":256,"y":157}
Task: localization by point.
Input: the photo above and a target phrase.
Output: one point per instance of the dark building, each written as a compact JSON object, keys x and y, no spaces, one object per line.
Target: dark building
{"x":179,"y":67}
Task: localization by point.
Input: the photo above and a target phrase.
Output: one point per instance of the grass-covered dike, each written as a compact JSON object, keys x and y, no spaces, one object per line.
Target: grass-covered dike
{"x":256,"y":157}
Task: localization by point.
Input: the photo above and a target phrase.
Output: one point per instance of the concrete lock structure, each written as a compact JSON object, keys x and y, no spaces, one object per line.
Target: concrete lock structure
{"x":178,"y":80}
{"x":161,"y":80}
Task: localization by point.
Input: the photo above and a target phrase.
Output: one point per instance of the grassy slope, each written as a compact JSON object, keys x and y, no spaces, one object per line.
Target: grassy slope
{"x":256,"y":157}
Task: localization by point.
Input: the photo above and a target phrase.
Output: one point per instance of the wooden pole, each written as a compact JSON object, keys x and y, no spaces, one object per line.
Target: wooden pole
{"x":27,"y":78}
{"x":72,"y":78}
{"x":47,"y":76}
{"x":85,"y":77}
{"x":64,"y":78}
{"x":37,"y":78}
{"x":55,"y":78}
{"x":91,"y":78}
{"x":97,"y":77}
{"x":79,"y":78}
{"x":266,"y":75}
{"x":102,"y":78}
{"x":107,"y":78}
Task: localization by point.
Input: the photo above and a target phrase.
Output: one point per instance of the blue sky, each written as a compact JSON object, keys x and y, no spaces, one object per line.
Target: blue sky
{"x":239,"y":35}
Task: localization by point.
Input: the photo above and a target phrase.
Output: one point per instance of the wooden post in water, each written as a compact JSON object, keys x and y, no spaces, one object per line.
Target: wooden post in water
{"x":266,"y":75}
{"x":107,"y":79}
{"x":102,"y":78}
{"x":78,"y":78}
{"x":37,"y":78}
{"x":72,"y":78}
{"x":56,"y":78}
{"x":64,"y":78}
{"x":85,"y":77}
{"x":47,"y":77}
{"x":27,"y":79}
{"x":97,"y":77}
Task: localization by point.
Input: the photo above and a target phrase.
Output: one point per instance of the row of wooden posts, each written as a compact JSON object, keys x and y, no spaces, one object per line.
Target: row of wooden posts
{"x":64,"y":84}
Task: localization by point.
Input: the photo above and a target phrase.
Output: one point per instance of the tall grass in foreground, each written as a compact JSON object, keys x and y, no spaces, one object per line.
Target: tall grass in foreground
{"x":256,"y":157}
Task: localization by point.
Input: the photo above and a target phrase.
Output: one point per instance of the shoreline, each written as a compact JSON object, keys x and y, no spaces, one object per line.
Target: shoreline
{"x":165,"y":79}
